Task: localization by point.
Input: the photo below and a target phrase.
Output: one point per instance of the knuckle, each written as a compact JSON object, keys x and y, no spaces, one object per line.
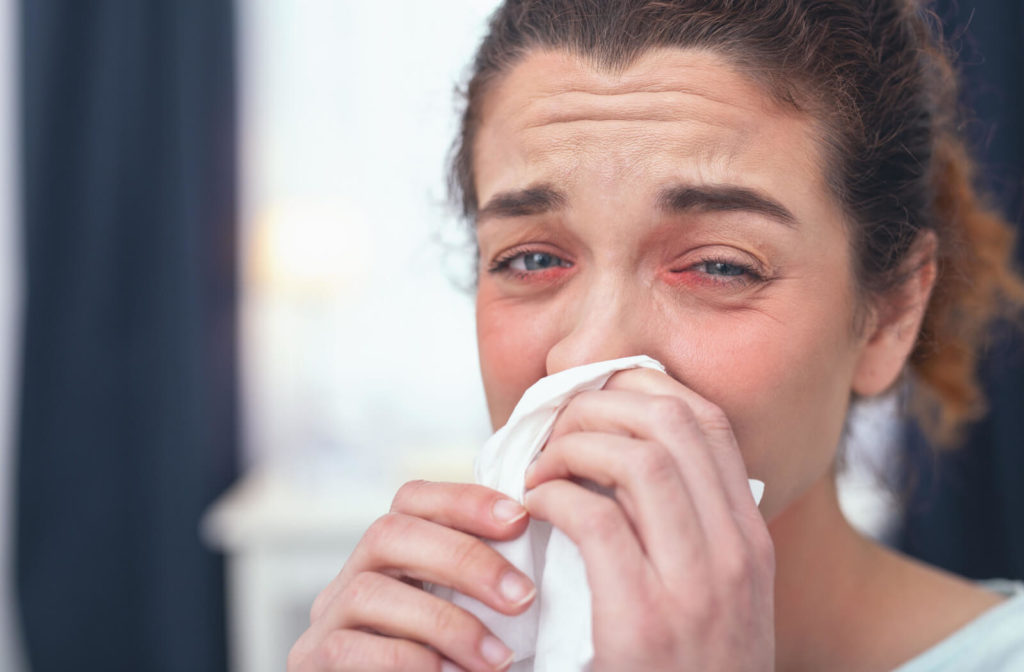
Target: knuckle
{"x":473,"y":501}
{"x":349,"y":649}
{"x":445,"y":619}
{"x":714,"y":418}
{"x":604,"y":519}
{"x":299,"y":654}
{"x":386,"y":528}
{"x":395,"y":657}
{"x":338,"y":647}
{"x":401,"y":654}
{"x":652,"y":462}
{"x":319,"y":605}
{"x":467,"y":556}
{"x":670,"y":411}
{"x":734,"y":572}
{"x":323,"y":600}
{"x":407,"y":493}
{"x":450,"y":622}
{"x":361,"y":590}
{"x":294,"y":661}
{"x":654,"y":636}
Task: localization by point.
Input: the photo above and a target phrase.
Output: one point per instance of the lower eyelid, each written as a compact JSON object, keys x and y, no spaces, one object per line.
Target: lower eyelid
{"x":693,"y":274}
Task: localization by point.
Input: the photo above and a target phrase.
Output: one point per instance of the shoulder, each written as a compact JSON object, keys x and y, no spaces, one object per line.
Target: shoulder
{"x":992,"y":641}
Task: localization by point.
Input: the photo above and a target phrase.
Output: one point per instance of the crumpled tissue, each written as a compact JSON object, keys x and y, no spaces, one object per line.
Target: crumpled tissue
{"x":554,"y":634}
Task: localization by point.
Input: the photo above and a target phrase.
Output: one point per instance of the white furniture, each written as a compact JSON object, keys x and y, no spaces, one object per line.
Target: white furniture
{"x":284,"y":542}
{"x":287,"y":533}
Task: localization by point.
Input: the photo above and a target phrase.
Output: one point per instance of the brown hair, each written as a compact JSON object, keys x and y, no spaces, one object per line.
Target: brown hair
{"x":877,"y":76}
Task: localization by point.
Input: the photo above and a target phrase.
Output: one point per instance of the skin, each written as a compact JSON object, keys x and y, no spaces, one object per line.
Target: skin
{"x":584,"y":258}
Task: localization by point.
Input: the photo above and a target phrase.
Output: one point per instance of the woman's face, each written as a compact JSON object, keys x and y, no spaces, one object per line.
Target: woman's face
{"x":671,"y":210}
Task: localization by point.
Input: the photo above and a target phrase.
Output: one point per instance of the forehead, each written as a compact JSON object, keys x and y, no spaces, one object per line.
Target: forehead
{"x":672,"y":116}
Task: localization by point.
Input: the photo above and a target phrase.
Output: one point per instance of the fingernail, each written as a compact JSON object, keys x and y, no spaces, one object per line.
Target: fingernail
{"x":507,"y":511}
{"x":495,"y":653}
{"x":515,"y":587}
{"x":449,"y":666}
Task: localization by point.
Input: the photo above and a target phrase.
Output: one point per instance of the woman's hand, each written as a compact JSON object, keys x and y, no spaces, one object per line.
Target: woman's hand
{"x":375,"y":615}
{"x":680,"y":562}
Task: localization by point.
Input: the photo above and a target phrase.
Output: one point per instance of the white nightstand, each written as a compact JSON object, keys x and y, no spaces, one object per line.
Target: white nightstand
{"x":286,"y":534}
{"x":283,"y":544}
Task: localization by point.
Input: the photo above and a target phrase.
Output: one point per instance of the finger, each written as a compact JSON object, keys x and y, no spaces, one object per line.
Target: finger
{"x":471,"y":508}
{"x":646,"y":483}
{"x":714,"y":423}
{"x":669,"y":421}
{"x":355,"y":650}
{"x":409,"y":547}
{"x":728,"y":464}
{"x":617,"y":570}
{"x":390,"y":607}
{"x":727,"y":459}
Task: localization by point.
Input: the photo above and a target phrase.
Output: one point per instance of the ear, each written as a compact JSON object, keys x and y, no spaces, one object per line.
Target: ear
{"x":895,"y":321}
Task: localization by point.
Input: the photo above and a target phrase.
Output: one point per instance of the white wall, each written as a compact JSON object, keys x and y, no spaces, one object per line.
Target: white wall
{"x":10,"y":322}
{"x":359,"y":352}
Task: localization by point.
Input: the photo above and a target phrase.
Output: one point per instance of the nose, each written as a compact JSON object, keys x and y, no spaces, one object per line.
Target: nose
{"x":606,"y":323}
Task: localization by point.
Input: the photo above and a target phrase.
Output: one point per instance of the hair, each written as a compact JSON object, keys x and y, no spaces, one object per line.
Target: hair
{"x":876,"y":75}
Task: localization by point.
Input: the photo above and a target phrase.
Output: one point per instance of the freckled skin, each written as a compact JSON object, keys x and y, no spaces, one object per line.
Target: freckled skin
{"x":779,"y":357}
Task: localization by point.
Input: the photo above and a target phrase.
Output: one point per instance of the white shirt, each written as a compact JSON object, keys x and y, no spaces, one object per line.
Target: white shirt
{"x":993,"y":642}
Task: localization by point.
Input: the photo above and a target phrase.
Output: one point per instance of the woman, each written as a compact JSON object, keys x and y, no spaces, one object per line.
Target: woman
{"x":769,"y":198}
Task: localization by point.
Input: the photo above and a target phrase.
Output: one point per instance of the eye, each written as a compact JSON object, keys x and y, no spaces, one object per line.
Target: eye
{"x":527,"y":261}
{"x":536,"y":261}
{"x":723,"y":269}
{"x":723,"y":272}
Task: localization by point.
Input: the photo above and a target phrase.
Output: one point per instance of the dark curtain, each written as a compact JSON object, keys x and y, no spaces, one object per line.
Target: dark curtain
{"x":127,"y":419}
{"x":966,"y":512}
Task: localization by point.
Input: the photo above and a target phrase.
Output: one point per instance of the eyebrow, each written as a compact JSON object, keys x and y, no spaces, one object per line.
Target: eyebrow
{"x":543,"y":198}
{"x":535,"y":200}
{"x":723,"y":198}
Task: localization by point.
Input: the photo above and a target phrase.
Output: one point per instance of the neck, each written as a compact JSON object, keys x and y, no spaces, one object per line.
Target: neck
{"x":823,"y":567}
{"x":843,"y":602}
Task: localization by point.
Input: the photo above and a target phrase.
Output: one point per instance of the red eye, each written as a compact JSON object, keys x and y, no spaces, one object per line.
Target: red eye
{"x":716,"y":272}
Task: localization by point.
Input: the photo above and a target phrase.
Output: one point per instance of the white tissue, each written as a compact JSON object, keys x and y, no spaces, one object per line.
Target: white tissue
{"x":554,"y":634}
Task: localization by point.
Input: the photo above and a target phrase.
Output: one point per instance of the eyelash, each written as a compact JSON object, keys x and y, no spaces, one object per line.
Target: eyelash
{"x":503,"y":262}
{"x":748,"y":274}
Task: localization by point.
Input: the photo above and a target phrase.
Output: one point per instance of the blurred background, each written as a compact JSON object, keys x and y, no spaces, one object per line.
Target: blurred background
{"x":235,"y":314}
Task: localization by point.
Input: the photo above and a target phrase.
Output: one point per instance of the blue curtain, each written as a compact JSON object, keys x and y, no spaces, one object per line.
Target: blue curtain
{"x":128,"y":400}
{"x":966,"y":510}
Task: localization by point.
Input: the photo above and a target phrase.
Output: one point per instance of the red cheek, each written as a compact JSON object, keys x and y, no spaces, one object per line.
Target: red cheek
{"x":513,"y":346}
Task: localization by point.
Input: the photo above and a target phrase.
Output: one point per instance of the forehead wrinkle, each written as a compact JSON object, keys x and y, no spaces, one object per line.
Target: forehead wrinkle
{"x":664,"y":107}
{"x":686,"y":68}
{"x":628,"y":142}
{"x":534,"y":124}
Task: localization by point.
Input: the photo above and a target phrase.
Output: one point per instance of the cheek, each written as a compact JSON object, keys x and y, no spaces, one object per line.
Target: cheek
{"x":785,"y":386}
{"x":513,"y":346}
